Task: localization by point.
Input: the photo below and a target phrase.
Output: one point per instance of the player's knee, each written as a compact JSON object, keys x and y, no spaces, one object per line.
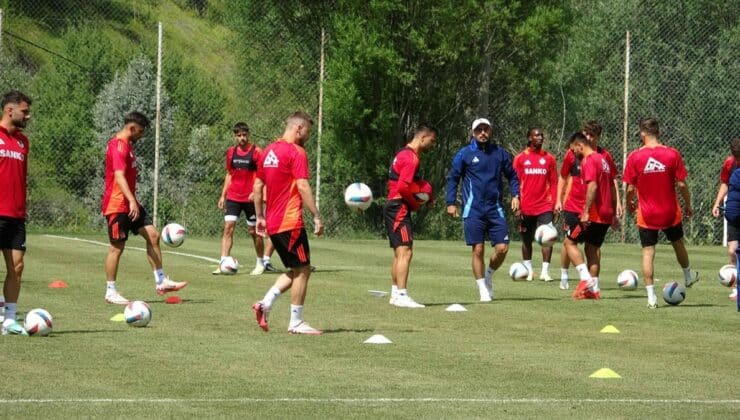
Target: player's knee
{"x":501,"y":249}
{"x":19,"y":265}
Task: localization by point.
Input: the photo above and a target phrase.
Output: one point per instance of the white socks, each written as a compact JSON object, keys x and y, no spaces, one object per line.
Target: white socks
{"x":270,"y":297}
{"x":651,"y":294}
{"x":258,"y":262}
{"x":583,"y":273}
{"x":564,"y":274}
{"x":489,"y":275}
{"x":687,"y":273}
{"x":296,"y":315}
{"x":545,"y":267}
{"x":159,"y":276}
{"x":528,"y":264}
{"x":10,"y":308}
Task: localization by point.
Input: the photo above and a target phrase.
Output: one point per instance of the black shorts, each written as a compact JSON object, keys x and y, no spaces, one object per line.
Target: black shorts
{"x":12,"y":233}
{"x":592,"y":233}
{"x":649,"y":237}
{"x":234,"y":209}
{"x":529,"y":224}
{"x":292,"y":246}
{"x":732,"y":233}
{"x":397,"y":219}
{"x":120,"y":224}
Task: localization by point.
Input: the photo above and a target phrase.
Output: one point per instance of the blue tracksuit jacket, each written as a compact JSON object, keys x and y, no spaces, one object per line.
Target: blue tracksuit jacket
{"x":482,"y":168}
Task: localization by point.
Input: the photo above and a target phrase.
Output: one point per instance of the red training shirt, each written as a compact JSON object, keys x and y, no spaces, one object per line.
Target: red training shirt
{"x":119,"y":156}
{"x":538,"y":181}
{"x":402,"y":173}
{"x":654,"y":171}
{"x":242,"y":166}
{"x":727,"y":167}
{"x":594,"y":167}
{"x":281,"y":165}
{"x":13,"y":173}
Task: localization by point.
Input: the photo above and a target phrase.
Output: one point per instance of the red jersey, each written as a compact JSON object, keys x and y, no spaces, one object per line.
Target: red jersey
{"x":13,"y":173}
{"x":119,"y":156}
{"x":281,"y":165}
{"x":727,"y":167}
{"x":571,"y":166}
{"x":654,"y":171}
{"x":403,"y":172}
{"x":538,"y":181}
{"x":594,"y":167}
{"x":242,"y":166}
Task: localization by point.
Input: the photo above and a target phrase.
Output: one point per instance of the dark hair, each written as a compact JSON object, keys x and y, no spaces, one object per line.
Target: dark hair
{"x":735,"y":145}
{"x":299,"y":115}
{"x":593,"y":128}
{"x":425,"y":128}
{"x":136,"y":118}
{"x":650,"y":126}
{"x":241,"y":127}
{"x":14,"y":97}
{"x":578,"y":137}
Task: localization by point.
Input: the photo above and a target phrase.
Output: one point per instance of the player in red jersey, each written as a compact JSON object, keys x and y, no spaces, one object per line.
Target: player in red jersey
{"x":283,"y":172}
{"x":14,"y":146}
{"x":236,"y":194}
{"x":538,"y":181}
{"x":123,"y":211}
{"x":652,"y":173}
{"x":598,"y":213}
{"x":733,"y":234}
{"x":403,"y":172}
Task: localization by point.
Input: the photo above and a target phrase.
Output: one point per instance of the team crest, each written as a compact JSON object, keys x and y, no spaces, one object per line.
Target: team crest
{"x":20,"y":144}
{"x":542,"y":161}
{"x":271,"y":160}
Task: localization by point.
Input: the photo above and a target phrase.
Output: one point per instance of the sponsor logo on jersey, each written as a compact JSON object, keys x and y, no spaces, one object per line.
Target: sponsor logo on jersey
{"x":605,"y":166}
{"x":1,"y":142}
{"x":653,"y":166}
{"x":272,"y":161}
{"x":535,"y":171}
{"x":5,"y":153}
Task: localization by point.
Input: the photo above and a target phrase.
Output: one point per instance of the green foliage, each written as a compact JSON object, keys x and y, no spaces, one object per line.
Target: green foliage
{"x":13,"y":76}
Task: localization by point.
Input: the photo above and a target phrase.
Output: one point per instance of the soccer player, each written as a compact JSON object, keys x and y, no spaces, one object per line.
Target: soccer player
{"x":14,"y":146}
{"x":732,"y":206}
{"x":652,"y":173}
{"x":733,"y":234}
{"x":236,"y":194}
{"x":597,"y":214}
{"x":404,"y":170}
{"x":482,"y":165}
{"x":538,"y":185}
{"x":283,"y":172}
{"x":123,"y":211}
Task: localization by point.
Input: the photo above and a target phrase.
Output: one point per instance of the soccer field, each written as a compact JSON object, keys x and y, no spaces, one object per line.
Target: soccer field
{"x":529,"y":353}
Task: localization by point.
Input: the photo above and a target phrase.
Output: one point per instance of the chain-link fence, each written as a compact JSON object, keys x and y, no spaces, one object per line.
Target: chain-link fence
{"x":389,"y":66}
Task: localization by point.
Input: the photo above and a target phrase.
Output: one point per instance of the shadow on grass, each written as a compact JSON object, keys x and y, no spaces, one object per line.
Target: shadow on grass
{"x":691,"y":305}
{"x":162,"y":302}
{"x":347,"y":330}
{"x":54,"y":333}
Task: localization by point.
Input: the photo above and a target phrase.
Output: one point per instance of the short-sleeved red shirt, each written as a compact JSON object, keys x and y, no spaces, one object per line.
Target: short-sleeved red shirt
{"x":13,"y":173}
{"x":281,"y":166}
{"x":402,"y":173}
{"x":119,"y":156}
{"x":654,"y":171}
{"x":538,"y":181}
{"x":576,"y":198}
{"x":727,"y":167}
{"x":594,"y":167}
{"x":242,"y":165}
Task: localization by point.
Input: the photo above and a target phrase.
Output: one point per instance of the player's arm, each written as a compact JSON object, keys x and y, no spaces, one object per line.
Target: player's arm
{"x":562,"y":181}
{"x":554,"y":181}
{"x":631,"y":198}
{"x":683,"y":189}
{"x":259,"y":206}
{"x":120,"y":178}
{"x":227,"y":182}
{"x":304,"y":189}
{"x":510,"y":174}
{"x":453,"y":179}
{"x":617,"y":199}
{"x":591,"y":189}
{"x":721,"y":193}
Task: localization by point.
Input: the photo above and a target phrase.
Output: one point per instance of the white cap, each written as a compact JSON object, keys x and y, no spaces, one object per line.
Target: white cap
{"x":480,"y":121}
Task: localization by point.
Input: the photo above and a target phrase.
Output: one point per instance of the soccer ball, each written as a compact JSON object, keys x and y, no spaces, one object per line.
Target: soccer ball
{"x":518,"y":271}
{"x":627,"y":280}
{"x":228,"y":266}
{"x":358,"y":196}
{"x":546,"y":235}
{"x":674,"y":293}
{"x":38,"y":322}
{"x":173,"y":235}
{"x":422,"y":191}
{"x":728,"y":275}
{"x":137,"y":313}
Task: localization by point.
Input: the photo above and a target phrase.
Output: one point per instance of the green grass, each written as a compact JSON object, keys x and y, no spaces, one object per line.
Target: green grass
{"x":527,"y":354}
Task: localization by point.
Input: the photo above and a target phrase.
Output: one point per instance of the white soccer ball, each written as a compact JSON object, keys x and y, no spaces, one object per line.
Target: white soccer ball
{"x":173,"y":235}
{"x":674,"y":293}
{"x":358,"y":196}
{"x":546,"y":235}
{"x":38,"y":322}
{"x":228,"y":266}
{"x":727,"y":275}
{"x":627,"y":280}
{"x":137,"y":313}
{"x":518,"y":271}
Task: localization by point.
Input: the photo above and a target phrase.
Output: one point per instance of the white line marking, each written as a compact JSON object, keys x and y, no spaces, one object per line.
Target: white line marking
{"x":369,"y":400}
{"x":182,"y":254}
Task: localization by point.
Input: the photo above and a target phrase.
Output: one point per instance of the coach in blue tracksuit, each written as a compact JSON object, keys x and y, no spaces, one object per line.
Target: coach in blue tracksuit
{"x":482,"y":165}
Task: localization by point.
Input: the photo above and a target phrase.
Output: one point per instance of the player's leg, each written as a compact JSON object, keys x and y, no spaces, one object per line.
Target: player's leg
{"x":527,"y":225}
{"x":594,"y":239}
{"x":648,"y":241}
{"x":675,"y":235}
{"x":732,"y":240}
{"x":259,"y":245}
{"x":118,"y":228}
{"x":576,"y":234}
{"x":12,"y":289}
{"x":474,"y":231}
{"x":570,"y":220}
{"x":544,"y":219}
{"x":163,"y":284}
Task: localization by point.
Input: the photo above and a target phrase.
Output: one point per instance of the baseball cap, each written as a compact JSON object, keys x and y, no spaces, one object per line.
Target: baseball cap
{"x":480,"y":121}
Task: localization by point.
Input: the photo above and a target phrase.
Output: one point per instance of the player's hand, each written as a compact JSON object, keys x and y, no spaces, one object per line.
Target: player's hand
{"x":452,"y":210}
{"x":584,"y":219}
{"x":221,"y":203}
{"x":134,"y":211}
{"x":558,"y":207}
{"x":515,"y":205}
{"x":261,"y":226}
{"x":318,"y":226}
{"x":251,"y":196}
{"x":620,"y":211}
{"x":631,"y":206}
{"x":689,"y":212}
{"x":617,"y":224}
{"x":715,"y":211}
